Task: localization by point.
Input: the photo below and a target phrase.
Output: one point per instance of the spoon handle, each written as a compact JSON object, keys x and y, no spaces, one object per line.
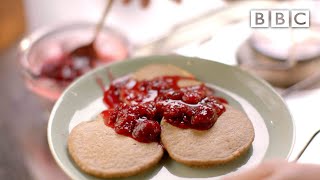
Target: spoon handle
{"x":306,"y":146}
{"x":103,"y":17}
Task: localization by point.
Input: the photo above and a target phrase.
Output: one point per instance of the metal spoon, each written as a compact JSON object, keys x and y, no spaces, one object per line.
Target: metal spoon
{"x":88,"y":51}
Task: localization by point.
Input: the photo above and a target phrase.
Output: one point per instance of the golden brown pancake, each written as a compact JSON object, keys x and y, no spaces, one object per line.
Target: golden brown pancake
{"x":98,"y":150}
{"x":230,"y":137}
{"x":152,"y":71}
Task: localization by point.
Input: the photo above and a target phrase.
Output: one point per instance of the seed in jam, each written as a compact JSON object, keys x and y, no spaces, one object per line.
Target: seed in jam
{"x":137,"y":107}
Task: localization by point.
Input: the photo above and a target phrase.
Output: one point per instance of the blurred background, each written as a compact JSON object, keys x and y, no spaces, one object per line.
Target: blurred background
{"x":37,"y":37}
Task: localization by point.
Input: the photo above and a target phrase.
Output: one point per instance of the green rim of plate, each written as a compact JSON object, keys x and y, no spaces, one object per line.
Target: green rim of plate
{"x":256,"y":91}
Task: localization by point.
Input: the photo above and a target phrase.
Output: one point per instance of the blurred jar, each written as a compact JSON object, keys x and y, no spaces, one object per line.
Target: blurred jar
{"x":45,"y":60}
{"x":284,"y":56}
{"x":12,"y":22}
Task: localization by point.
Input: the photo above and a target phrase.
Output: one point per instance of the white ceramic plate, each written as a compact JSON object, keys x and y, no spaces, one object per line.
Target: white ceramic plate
{"x":274,"y":129}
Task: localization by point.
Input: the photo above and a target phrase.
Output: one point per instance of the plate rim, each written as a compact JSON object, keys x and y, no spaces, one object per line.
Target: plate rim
{"x":145,"y":58}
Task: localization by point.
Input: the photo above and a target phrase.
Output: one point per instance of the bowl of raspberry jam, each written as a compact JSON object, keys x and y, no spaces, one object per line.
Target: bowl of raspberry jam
{"x":45,"y":59}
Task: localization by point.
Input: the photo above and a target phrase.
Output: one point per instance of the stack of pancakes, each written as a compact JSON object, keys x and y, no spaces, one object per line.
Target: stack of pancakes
{"x":98,"y":150}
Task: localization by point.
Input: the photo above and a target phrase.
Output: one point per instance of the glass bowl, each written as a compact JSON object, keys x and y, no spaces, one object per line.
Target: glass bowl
{"x":46,"y":47}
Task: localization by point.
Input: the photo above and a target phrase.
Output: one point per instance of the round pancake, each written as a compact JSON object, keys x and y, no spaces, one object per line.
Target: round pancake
{"x":152,"y":71}
{"x":230,"y":137}
{"x":98,"y":150}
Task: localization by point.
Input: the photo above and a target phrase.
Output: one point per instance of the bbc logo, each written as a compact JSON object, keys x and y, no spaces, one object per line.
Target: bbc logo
{"x":261,"y":18}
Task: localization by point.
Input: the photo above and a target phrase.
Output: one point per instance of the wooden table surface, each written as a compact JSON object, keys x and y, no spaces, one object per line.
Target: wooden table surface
{"x":24,"y":151}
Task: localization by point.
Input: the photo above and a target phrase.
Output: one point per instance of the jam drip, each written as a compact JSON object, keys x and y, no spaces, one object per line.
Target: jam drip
{"x":137,"y":107}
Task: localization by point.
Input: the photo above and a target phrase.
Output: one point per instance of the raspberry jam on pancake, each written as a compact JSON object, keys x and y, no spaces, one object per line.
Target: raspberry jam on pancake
{"x":137,"y":107}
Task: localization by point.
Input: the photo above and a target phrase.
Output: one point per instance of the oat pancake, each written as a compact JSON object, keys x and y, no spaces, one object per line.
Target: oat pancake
{"x":157,"y":70}
{"x":98,"y":150}
{"x":230,"y":137}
